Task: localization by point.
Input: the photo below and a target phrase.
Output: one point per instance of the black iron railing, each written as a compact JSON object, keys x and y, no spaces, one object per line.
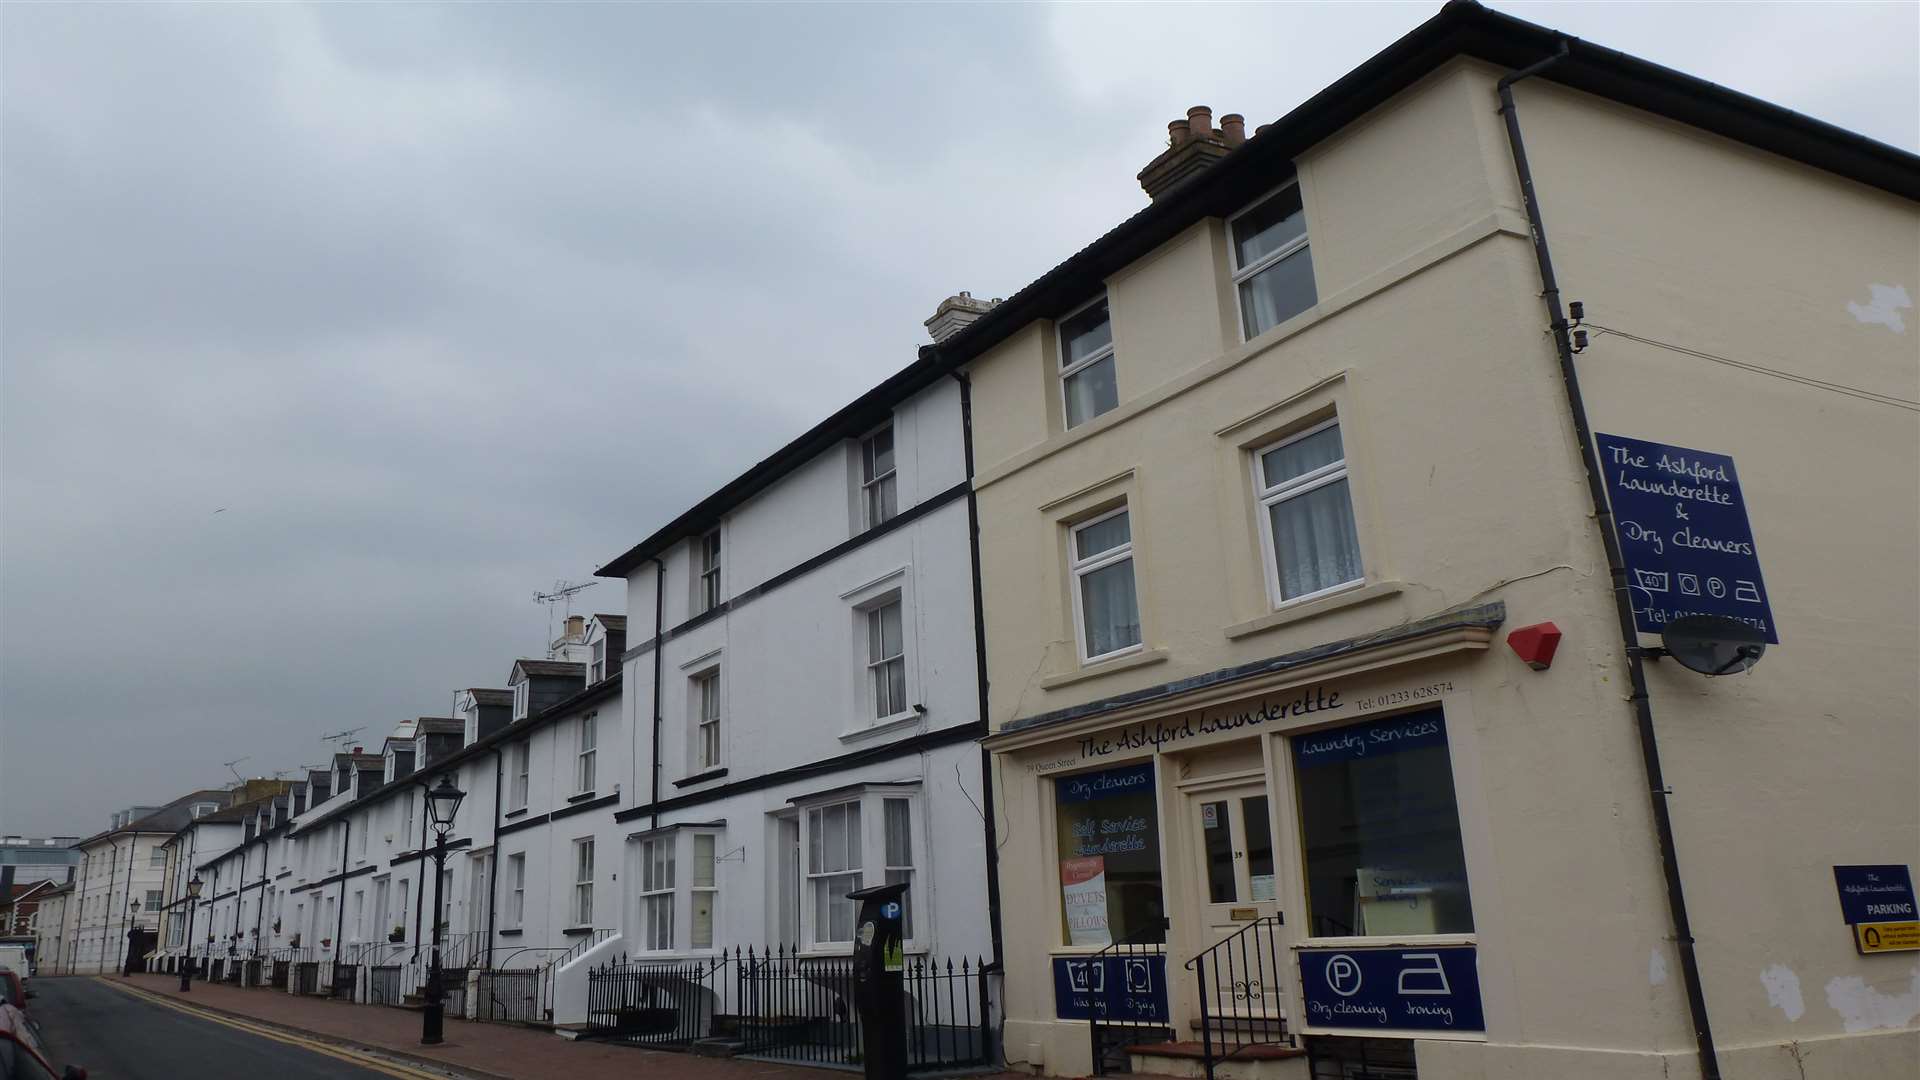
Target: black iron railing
{"x":278,"y":969}
{"x":665,"y":1004}
{"x":519,"y":988}
{"x":383,"y":984}
{"x":346,"y":978}
{"x":802,"y":1008}
{"x":1124,"y":987}
{"x":306,"y":977}
{"x":948,"y":1010}
{"x":1239,"y":982}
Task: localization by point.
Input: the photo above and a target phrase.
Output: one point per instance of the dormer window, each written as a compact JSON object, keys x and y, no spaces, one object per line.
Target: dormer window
{"x":597,"y":666}
{"x":522,"y":698}
{"x":201,"y":809}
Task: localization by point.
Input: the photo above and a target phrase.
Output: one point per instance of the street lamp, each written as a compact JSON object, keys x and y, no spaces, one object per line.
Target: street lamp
{"x":442,"y":803}
{"x":186,"y":969}
{"x":127,"y":968}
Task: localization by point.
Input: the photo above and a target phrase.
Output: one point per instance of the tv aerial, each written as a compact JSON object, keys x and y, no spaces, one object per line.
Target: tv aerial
{"x":1711,"y":644}
{"x":238,"y":779}
{"x":561,"y":593}
{"x":343,"y":738}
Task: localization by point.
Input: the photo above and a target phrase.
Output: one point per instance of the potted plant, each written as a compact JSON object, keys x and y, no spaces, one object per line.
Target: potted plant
{"x":326,"y":943}
{"x":399,"y":933}
{"x":294,"y":941}
{"x":276,"y":926}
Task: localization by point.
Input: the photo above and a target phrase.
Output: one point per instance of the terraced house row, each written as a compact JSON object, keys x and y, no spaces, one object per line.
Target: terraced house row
{"x":1432,"y":594}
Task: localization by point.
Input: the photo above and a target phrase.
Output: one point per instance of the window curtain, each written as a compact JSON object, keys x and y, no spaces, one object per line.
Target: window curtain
{"x":1111,"y":608}
{"x":1315,"y":544}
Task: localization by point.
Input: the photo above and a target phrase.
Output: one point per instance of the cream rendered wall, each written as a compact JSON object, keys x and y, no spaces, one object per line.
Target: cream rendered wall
{"x":1810,"y":760}
{"x":1429,"y":340}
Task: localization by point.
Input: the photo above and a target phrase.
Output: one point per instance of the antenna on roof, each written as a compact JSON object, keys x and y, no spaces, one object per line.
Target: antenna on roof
{"x":343,"y":737}
{"x":562,"y":593}
{"x":237,"y":778}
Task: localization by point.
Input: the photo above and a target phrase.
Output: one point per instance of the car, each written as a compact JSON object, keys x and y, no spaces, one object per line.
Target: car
{"x":21,"y":1056}
{"x":13,"y":988}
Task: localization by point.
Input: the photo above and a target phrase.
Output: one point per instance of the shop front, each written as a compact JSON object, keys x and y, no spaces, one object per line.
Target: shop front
{"x":1279,"y":872}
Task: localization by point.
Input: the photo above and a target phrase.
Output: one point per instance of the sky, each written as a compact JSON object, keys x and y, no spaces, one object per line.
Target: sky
{"x":329,"y":335}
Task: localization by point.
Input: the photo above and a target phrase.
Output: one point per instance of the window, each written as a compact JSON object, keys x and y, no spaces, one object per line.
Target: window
{"x":597,"y":669}
{"x":705,"y":893}
{"x":522,"y":698}
{"x":583,"y":765}
{"x":516,"y":890}
{"x":157,"y":859}
{"x":359,"y":919}
{"x":886,"y":659}
{"x":709,"y":597}
{"x":1107,"y":611}
{"x":898,"y":815}
{"x":360,"y":837}
{"x":406,"y":817}
{"x":656,"y":893}
{"x":383,"y":920}
{"x":201,"y":809}
{"x":1086,"y":363}
{"x":582,"y":912}
{"x":1109,"y":844}
{"x":833,"y":869}
{"x":1381,"y":830}
{"x":1307,"y":514}
{"x":1272,"y":266}
{"x":706,"y":696}
{"x":400,"y":916}
{"x":153,"y":899}
{"x":517,"y":791}
{"x":877,"y":482}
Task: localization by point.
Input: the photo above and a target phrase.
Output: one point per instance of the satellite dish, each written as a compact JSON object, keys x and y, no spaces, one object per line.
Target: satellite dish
{"x":1713,"y":644}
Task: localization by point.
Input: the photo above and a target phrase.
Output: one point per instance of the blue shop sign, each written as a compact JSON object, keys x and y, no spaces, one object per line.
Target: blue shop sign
{"x":1394,"y":735}
{"x":1113,"y":987}
{"x":1875,"y":894}
{"x":1106,"y":784}
{"x":1423,"y":989}
{"x":1683,"y":531}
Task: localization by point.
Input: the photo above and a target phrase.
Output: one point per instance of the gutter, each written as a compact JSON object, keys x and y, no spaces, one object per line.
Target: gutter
{"x":992,"y":834}
{"x":1616,"y":569}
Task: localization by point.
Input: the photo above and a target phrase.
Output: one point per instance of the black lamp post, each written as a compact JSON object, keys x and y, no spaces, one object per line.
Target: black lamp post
{"x":127,"y":968}
{"x":186,"y":969}
{"x":442,"y":803}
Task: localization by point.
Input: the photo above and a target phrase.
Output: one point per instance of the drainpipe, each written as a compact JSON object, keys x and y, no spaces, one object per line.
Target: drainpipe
{"x":260,"y":909}
{"x":340,"y":923}
{"x":1616,"y":569}
{"x":420,"y":879}
{"x":659,"y":647}
{"x":493,"y":867}
{"x":106,"y":917}
{"x":992,"y":835}
{"x":126,"y":909}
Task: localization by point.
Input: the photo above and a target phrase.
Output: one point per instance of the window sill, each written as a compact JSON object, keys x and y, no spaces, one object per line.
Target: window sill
{"x":582,"y":797}
{"x":700,"y":778}
{"x":1384,"y":941}
{"x":515,"y":932}
{"x":1105,"y":667}
{"x":1298,"y":612}
{"x":884,"y":726}
{"x":577,"y":931}
{"x":514,"y":813}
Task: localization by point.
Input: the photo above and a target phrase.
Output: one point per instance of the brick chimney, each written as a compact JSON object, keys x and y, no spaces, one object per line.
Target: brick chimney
{"x":1193,"y":145}
{"x":955,"y":313}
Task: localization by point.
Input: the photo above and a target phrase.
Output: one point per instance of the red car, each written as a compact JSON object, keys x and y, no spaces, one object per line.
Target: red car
{"x":20,"y":1054}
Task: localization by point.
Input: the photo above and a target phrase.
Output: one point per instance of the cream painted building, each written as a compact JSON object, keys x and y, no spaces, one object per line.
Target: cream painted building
{"x":1267,"y":477}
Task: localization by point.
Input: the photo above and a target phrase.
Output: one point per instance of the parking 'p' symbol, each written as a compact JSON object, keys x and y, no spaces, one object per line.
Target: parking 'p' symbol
{"x":1343,"y":975}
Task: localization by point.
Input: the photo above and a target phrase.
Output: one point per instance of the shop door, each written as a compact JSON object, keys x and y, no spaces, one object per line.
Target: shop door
{"x":1239,"y":937}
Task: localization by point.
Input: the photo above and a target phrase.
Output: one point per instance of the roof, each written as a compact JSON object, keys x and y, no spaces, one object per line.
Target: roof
{"x":170,"y":818}
{"x":443,"y":725}
{"x":550,"y":669}
{"x":613,"y":623}
{"x":488,"y":697}
{"x":1461,"y":29}
{"x":238,"y":812}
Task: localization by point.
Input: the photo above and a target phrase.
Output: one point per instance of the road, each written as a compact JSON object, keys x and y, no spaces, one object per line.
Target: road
{"x":116,"y":1035}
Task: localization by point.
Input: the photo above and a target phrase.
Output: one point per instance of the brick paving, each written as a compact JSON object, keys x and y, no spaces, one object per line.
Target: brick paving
{"x":504,"y":1051}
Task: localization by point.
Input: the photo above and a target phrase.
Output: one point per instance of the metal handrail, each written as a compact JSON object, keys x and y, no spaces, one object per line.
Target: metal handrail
{"x":1249,"y":979}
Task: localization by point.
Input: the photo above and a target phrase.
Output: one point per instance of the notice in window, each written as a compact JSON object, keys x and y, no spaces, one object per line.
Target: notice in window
{"x":1083,"y":889}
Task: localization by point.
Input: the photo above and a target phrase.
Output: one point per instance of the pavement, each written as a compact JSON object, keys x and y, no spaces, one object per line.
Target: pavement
{"x":142,"y":1028}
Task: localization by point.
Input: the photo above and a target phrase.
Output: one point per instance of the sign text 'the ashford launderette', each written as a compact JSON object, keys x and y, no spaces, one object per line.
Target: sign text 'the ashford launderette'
{"x":1199,"y":722}
{"x":1684,"y":534}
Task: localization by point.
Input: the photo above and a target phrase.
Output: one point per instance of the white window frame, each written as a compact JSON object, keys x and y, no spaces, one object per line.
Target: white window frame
{"x":587,"y":760}
{"x":516,"y":890}
{"x":580,"y":901}
{"x":1068,"y":370}
{"x":813,"y":817}
{"x":157,"y":859}
{"x":597,"y":667}
{"x":710,"y":890}
{"x":709,"y":715}
{"x":1244,"y":273}
{"x":1078,"y":568}
{"x":657,"y":892}
{"x":522,"y":698}
{"x":876,"y":668}
{"x":1266,"y":496}
{"x":874,"y":868}
{"x":520,"y":786}
{"x":871,"y":485}
{"x":707,"y":562}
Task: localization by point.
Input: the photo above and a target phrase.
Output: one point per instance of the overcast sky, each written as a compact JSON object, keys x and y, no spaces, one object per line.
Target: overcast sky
{"x":332,"y":333}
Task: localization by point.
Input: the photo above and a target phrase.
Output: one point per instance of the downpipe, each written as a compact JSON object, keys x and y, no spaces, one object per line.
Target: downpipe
{"x":1616,"y":570}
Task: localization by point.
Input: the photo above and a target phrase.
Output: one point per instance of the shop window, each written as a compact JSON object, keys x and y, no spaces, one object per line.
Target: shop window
{"x":1381,"y":830}
{"x":1109,"y":843}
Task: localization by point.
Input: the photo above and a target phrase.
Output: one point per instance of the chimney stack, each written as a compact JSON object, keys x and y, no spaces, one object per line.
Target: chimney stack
{"x":955,"y":314}
{"x":1193,"y":145}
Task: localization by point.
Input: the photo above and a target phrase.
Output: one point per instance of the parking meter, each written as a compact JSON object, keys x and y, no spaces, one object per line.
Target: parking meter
{"x":879,"y":992}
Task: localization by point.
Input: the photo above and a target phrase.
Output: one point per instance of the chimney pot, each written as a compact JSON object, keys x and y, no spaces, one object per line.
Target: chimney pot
{"x":1200,"y":122}
{"x":1176,"y":132}
{"x":359,"y":749}
{"x":1261,"y":129}
{"x":1233,"y":127}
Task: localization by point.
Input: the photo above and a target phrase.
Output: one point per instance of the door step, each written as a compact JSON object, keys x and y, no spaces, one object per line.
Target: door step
{"x":1188,"y":1059}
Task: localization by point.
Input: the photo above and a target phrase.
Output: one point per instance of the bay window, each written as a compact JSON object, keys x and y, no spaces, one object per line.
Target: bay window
{"x":833,"y":869}
{"x":656,"y":893}
{"x":857,"y":841}
{"x":705,"y":891}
